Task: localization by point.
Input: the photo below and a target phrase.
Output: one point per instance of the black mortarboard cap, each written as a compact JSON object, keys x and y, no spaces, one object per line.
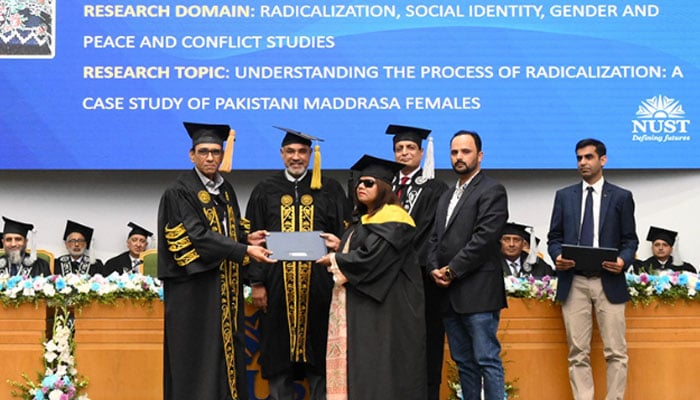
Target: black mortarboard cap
{"x":137,"y":230}
{"x":663,"y":234}
{"x":512,"y":228}
{"x":17,"y":227}
{"x":207,"y":133}
{"x":377,"y":167}
{"x":411,"y":133}
{"x":294,"y":136}
{"x":72,"y":226}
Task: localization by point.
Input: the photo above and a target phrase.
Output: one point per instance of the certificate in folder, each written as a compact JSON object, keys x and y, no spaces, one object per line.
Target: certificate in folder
{"x":296,"y":246}
{"x":588,"y":259}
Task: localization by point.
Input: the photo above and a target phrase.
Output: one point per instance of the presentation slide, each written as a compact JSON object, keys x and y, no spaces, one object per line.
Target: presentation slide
{"x":106,"y":85}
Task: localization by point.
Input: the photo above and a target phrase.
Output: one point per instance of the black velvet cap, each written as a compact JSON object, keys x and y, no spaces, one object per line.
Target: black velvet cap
{"x":207,"y":133}
{"x":294,"y":136}
{"x":72,"y":226}
{"x":20,"y":228}
{"x":411,"y":133}
{"x":137,"y":230}
{"x":377,"y":167}
{"x":663,"y":234}
{"x":512,"y":228}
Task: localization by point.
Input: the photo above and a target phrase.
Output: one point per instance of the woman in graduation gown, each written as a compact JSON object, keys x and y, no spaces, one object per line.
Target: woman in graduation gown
{"x":376,"y":344}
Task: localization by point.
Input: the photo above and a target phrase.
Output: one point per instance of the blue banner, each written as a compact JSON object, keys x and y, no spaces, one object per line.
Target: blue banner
{"x":107,"y":85}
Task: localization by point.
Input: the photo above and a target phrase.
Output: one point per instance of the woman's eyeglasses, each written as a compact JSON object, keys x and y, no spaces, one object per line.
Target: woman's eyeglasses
{"x":368,"y":183}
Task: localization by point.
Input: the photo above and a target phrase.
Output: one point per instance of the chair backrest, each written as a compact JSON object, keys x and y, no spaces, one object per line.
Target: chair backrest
{"x":46,"y":256}
{"x":43,"y":254}
{"x":149,"y":266}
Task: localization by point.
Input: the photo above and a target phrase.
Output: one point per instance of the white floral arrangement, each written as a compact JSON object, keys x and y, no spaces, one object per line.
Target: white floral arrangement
{"x":77,"y":290}
{"x":60,"y":379}
{"x":664,"y":286}
{"x":544,"y":288}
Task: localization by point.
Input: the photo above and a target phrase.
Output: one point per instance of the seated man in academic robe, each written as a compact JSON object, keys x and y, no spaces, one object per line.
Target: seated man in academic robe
{"x":516,"y":260}
{"x":16,"y":261}
{"x":78,"y":238}
{"x":663,"y":246}
{"x":129,"y":261}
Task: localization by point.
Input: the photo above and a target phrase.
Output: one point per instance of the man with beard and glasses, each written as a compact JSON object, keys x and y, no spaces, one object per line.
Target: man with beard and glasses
{"x":16,"y":261}
{"x":78,"y":238}
{"x":295,"y":296}
{"x":463,"y":258}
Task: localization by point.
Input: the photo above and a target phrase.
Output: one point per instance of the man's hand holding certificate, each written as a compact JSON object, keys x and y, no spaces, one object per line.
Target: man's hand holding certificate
{"x":589,"y":261}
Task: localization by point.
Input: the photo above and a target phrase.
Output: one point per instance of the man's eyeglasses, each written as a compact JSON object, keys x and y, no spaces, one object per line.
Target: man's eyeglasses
{"x":76,"y":241}
{"x":206,"y":152}
{"x":368,"y":183}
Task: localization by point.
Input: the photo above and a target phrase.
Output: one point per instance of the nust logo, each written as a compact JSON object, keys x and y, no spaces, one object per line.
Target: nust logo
{"x":660,"y":119}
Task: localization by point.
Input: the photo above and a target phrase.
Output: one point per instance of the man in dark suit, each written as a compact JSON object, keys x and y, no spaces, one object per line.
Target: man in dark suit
{"x":515,"y":260}
{"x":129,"y":261}
{"x":464,"y":251}
{"x":598,"y":214}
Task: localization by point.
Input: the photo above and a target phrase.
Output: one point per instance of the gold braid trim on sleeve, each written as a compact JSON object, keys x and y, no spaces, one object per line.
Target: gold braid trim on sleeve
{"x":177,"y":240}
{"x":179,"y":244}
{"x":186,"y":258}
{"x":175,"y":232}
{"x":245,"y":225}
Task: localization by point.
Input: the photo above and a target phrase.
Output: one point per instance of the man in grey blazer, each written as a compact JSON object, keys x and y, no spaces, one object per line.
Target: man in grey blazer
{"x":464,"y":261}
{"x":584,"y":288}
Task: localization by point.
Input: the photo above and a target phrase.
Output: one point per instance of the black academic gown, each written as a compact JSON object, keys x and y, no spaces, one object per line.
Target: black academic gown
{"x":274,"y":206}
{"x":200,"y":252}
{"x":652,"y":264}
{"x":539,"y":270}
{"x":118,"y":264}
{"x":65,"y":265}
{"x":385,"y":309}
{"x":420,"y":197}
{"x":38,"y":268}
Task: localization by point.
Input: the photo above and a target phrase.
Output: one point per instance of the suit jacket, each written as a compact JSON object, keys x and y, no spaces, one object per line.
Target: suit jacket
{"x":470,"y":244}
{"x":540,"y":269}
{"x":118,"y":264}
{"x":616,"y":229}
{"x":653,"y":264}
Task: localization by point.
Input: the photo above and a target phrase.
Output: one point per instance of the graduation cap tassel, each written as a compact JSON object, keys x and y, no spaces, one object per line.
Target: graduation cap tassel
{"x":227,"y":162}
{"x":316,"y":172}
{"x":677,"y":258}
{"x":532,"y":257}
{"x":32,"y":245}
{"x":429,"y":164}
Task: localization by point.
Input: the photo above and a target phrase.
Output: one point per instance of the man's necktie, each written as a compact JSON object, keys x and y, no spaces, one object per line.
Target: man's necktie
{"x":13,"y":269}
{"x":586,"y":238}
{"x":514,"y":269}
{"x":402,"y":186}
